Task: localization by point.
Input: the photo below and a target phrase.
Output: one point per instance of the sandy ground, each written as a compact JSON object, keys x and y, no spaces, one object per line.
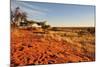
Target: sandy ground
{"x":29,"y":47}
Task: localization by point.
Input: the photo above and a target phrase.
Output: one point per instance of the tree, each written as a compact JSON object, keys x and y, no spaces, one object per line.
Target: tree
{"x":12,"y":16}
{"x":17,"y":14}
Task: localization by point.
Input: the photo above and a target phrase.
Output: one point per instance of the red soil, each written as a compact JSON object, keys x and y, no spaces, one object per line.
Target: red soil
{"x":29,"y":48}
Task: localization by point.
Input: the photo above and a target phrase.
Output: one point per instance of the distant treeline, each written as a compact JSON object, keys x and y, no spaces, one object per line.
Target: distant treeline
{"x":88,"y":29}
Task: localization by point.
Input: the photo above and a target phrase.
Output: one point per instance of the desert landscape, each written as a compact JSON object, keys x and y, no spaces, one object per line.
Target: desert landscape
{"x":50,"y":33}
{"x":57,"y":45}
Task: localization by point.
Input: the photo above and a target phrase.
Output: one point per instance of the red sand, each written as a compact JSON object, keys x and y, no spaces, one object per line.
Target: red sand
{"x":29,"y":48}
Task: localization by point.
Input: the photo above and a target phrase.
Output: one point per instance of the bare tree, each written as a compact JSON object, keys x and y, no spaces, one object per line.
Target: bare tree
{"x":17,"y":14}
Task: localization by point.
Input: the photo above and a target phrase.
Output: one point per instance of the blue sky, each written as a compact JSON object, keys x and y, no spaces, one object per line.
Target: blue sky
{"x":58,"y":14}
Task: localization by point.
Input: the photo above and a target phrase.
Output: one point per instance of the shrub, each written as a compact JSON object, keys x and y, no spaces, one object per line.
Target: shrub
{"x":91,"y":30}
{"x":55,"y":29}
{"x":46,"y":26}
